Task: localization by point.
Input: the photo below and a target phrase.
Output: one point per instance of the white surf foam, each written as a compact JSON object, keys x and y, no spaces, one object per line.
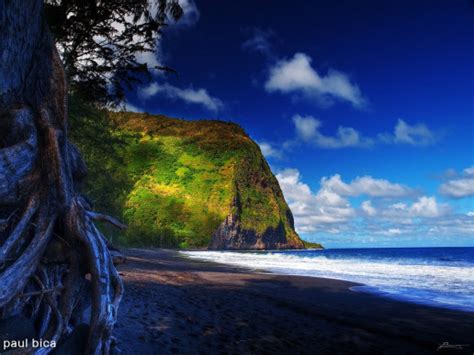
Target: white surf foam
{"x":450,"y":286}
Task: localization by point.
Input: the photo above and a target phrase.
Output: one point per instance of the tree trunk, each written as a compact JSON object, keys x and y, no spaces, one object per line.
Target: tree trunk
{"x":55,"y":268}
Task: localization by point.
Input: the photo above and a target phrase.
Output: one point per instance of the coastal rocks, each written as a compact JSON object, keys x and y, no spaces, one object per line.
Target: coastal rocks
{"x":232,"y":235}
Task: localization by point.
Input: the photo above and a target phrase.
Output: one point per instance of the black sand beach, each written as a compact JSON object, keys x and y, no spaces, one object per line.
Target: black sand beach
{"x":176,"y":305}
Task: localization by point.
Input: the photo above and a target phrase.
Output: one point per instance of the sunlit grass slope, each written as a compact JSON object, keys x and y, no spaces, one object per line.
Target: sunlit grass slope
{"x":180,"y":183}
{"x":186,"y":175}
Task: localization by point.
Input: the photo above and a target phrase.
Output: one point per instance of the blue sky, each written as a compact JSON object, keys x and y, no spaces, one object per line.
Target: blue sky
{"x":365,"y":110}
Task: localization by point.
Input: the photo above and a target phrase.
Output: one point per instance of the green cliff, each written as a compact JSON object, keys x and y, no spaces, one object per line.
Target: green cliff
{"x":194,"y":184}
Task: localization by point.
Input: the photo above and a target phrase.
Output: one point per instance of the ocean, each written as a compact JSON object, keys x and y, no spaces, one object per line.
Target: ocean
{"x":442,"y":277}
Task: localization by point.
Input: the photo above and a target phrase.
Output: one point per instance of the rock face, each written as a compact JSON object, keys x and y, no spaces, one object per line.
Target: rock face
{"x":232,"y":235}
{"x":202,"y":183}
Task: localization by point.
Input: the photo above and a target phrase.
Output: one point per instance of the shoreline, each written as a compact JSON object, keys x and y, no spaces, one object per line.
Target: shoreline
{"x":360,"y":286}
{"x":174,"y":303}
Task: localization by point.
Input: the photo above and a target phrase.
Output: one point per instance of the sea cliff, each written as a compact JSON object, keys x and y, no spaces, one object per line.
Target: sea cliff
{"x":195,"y":184}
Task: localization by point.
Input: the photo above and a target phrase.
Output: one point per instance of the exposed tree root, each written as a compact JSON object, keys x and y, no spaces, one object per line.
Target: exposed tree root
{"x":55,"y":265}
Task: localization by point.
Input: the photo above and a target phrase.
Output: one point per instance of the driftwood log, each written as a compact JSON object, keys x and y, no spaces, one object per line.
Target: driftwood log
{"x":55,"y":267}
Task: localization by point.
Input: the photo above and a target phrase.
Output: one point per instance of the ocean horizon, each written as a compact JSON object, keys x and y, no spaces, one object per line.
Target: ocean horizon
{"x":435,"y":276}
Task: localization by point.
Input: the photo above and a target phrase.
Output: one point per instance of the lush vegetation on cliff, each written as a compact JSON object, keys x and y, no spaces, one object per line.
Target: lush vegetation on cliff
{"x":174,"y":181}
{"x":311,"y":245}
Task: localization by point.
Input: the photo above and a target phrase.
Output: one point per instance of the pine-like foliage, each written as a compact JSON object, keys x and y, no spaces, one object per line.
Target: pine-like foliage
{"x":104,"y":44}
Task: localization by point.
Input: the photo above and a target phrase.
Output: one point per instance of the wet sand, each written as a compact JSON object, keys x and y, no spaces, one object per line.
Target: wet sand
{"x":174,"y":304}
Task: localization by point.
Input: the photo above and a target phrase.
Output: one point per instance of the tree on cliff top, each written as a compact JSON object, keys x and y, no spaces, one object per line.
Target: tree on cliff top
{"x":109,"y":45}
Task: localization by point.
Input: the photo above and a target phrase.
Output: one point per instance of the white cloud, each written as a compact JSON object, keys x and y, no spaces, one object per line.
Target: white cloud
{"x":417,"y":134}
{"x":403,"y":133}
{"x":152,"y":56}
{"x":191,"y":13}
{"x":469,"y":171}
{"x":454,"y":225}
{"x":316,"y":211}
{"x":366,"y":185}
{"x":306,"y":127}
{"x":313,"y":211}
{"x":308,"y":130}
{"x":149,"y":91}
{"x":368,"y":209}
{"x":189,"y":18}
{"x":427,"y":207}
{"x":392,"y":231}
{"x":269,"y":151}
{"x":259,"y":41}
{"x":450,"y":226}
{"x":296,"y":75}
{"x":423,"y":207}
{"x":132,"y":108}
{"x":189,"y":95}
{"x":149,"y":58}
{"x":292,"y":187}
{"x":459,"y":186}
{"x":126,"y":107}
{"x":329,"y":209}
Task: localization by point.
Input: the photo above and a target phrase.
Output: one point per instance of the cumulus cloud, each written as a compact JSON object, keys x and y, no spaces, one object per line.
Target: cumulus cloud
{"x":366,"y":185}
{"x":308,"y":130}
{"x":292,"y":187}
{"x":469,"y":171}
{"x":331,"y":210}
{"x":392,"y":231}
{"x":428,"y":207}
{"x":297,"y":76}
{"x":456,"y":227}
{"x":403,"y":133}
{"x":452,"y":225}
{"x":422,"y":207}
{"x":269,"y":151}
{"x":313,"y":211}
{"x":367,"y":208}
{"x":330,"y":205}
{"x":189,"y":95}
{"x":459,"y":185}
